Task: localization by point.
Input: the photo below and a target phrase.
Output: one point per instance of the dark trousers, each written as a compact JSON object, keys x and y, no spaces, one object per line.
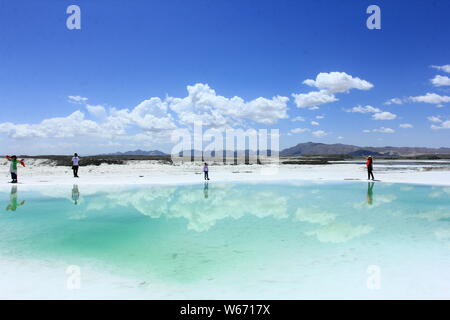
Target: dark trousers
{"x":370,"y":173}
{"x":75,"y":171}
{"x":206,"y":175}
{"x":14,"y":176}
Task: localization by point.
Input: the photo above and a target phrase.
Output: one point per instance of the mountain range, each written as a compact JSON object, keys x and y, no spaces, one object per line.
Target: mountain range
{"x":313,"y":148}
{"x":138,"y":153}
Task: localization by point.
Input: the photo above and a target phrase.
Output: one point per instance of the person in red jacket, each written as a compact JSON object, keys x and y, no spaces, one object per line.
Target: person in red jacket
{"x":369,"y":165}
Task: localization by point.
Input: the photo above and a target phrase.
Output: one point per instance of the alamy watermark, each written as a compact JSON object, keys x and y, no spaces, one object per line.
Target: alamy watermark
{"x":374,"y":20}
{"x":73,"y":21}
{"x":374,"y":277}
{"x":73,"y":281}
{"x":228,"y":146}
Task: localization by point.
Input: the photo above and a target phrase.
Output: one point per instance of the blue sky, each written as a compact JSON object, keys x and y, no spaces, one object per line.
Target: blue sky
{"x":146,"y":53}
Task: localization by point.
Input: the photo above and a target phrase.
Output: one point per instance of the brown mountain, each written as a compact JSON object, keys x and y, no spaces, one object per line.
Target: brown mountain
{"x":311,"y":148}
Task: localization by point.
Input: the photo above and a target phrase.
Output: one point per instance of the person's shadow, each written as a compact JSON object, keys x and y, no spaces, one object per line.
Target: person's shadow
{"x":13,"y":202}
{"x":370,"y":193}
{"x":75,"y":194}
{"x":205,"y":190}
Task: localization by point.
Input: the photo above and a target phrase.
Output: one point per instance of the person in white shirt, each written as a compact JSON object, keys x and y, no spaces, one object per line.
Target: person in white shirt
{"x":206,"y":171}
{"x":75,"y":165}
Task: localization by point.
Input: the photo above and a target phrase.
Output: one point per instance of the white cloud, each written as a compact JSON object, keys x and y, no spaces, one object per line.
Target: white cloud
{"x":313,"y":108}
{"x":298,"y":119}
{"x":77,"y":99}
{"x":384,"y":116}
{"x":338,"y":82}
{"x":340,"y":137}
{"x":380,"y":130}
{"x":442,"y":125}
{"x":405,"y":126}
{"x":71,"y":126}
{"x":329,"y":84}
{"x":149,"y":116}
{"x":320,"y":117}
{"x":313,"y":98}
{"x":435,"y":119}
{"x":299,"y":130}
{"x":384,"y":130}
{"x":394,"y":101}
{"x":445,"y":68}
{"x":431,"y":98}
{"x":156,"y":117}
{"x":97,"y":111}
{"x":314,"y":123}
{"x":203,"y":104}
{"x":366,"y":109}
{"x":440,"y":81}
{"x":319,"y":133}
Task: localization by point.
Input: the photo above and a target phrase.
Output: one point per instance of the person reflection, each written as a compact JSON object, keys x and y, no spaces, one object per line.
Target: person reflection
{"x":75,"y":194}
{"x":370,"y":193}
{"x":13,"y":202}
{"x":205,"y":190}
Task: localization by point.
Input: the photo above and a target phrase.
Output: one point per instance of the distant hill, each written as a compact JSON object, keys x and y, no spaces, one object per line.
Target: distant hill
{"x":312,"y":148}
{"x":138,"y":153}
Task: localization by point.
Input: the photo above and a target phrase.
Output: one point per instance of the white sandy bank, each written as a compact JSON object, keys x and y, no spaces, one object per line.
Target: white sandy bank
{"x":41,"y":172}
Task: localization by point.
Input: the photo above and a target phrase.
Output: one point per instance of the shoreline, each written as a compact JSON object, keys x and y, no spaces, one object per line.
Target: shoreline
{"x":151,"y":173}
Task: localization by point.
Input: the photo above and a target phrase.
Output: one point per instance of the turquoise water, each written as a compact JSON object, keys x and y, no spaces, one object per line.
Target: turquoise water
{"x":264,"y":240}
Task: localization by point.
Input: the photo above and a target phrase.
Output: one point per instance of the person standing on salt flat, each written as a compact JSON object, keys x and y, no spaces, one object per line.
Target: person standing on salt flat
{"x":13,"y":167}
{"x":369,"y":165}
{"x":205,"y":171}
{"x":75,"y":165}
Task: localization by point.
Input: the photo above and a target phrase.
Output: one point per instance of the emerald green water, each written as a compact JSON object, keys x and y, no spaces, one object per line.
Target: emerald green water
{"x":268,"y":239}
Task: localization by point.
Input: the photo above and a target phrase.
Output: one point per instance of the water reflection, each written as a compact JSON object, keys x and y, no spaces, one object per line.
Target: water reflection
{"x":13,"y":202}
{"x":205,"y":190}
{"x":241,"y":231}
{"x":370,"y":193}
{"x":75,"y":194}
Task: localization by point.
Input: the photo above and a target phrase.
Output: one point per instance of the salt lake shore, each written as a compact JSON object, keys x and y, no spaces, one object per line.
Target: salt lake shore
{"x":30,"y":278}
{"x":40,"y":172}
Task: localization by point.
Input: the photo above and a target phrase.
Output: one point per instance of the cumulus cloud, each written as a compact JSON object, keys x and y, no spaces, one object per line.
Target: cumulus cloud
{"x":365,"y":109}
{"x":442,"y":125}
{"x":440,"y":81}
{"x":320,"y":117}
{"x":314,"y":123}
{"x":77,"y":99}
{"x":203,"y":104}
{"x":156,"y":117}
{"x":150,"y":116}
{"x":299,"y":130}
{"x":338,"y":82}
{"x":297,"y":119}
{"x":380,"y":130}
{"x":97,"y":111}
{"x":384,"y":116}
{"x":313,"y":98}
{"x":319,"y":133}
{"x":328,"y":84}
{"x":435,"y":119}
{"x":405,"y":126}
{"x":394,"y":101}
{"x":62,"y":127}
{"x":445,"y":68}
{"x":431,"y":98}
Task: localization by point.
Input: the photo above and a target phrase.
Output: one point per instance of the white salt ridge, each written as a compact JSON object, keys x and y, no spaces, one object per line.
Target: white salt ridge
{"x":42,"y":172}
